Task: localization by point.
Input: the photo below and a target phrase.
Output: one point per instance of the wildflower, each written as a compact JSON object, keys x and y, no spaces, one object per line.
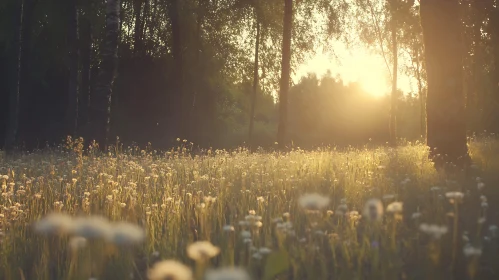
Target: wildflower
{"x":434,"y":231}
{"x":286,"y":215}
{"x":373,"y":209}
{"x":264,"y":251}
{"x":126,"y":233}
{"x":77,"y":242}
{"x":245,"y":234}
{"x":122,"y":205}
{"x":454,"y":196}
{"x":252,"y":212}
{"x":470,"y":251}
{"x":257,"y":256}
{"x":494,"y":230}
{"x":260,"y":199}
{"x":277,"y":220}
{"x":170,"y":269}
{"x":202,"y":251}
{"x":387,"y":197}
{"x":55,"y":223}
{"x":480,"y":186}
{"x":92,"y":227}
{"x":227,"y":273}
{"x":228,"y":228}
{"x":481,"y":220}
{"x":330,"y":212}
{"x":313,"y":201}
{"x":244,"y":223}
{"x":416,"y":215}
{"x":395,"y":207}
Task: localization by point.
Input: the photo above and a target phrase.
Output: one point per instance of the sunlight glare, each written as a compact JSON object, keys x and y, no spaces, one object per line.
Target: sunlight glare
{"x":354,"y":65}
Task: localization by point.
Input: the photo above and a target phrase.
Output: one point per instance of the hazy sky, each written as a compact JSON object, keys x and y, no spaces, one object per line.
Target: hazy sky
{"x":356,"y":64}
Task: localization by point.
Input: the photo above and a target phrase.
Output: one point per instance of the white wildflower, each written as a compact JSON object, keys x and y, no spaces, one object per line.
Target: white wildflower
{"x":395,"y":207}
{"x":202,"y":251}
{"x":92,"y":227}
{"x":55,"y":223}
{"x":170,"y":269}
{"x":470,"y":251}
{"x":228,"y":228}
{"x":313,"y":201}
{"x":77,"y":242}
{"x":123,"y":233}
{"x":227,"y":273}
{"x":373,"y":210}
{"x":434,"y":231}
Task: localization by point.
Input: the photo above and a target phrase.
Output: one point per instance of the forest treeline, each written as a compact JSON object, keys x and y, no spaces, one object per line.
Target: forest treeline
{"x":217,"y":72}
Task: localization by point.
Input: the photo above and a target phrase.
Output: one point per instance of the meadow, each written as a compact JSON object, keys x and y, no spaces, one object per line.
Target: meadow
{"x":356,"y":213}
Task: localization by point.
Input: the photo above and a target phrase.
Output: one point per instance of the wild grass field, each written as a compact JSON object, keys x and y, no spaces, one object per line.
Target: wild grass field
{"x":370,"y":213}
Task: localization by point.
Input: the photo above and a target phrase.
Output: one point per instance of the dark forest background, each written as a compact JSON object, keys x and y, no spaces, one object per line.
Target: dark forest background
{"x":187,"y":69}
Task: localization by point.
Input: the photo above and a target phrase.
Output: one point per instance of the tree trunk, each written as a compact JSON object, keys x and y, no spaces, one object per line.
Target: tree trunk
{"x":13,"y":114}
{"x":138,"y":31}
{"x":394,"y":95}
{"x":86,"y":51}
{"x":101,"y":99}
{"x":421,"y":96}
{"x":285,"y":73}
{"x":72,"y":108}
{"x":177,"y":53}
{"x":445,"y":110}
{"x":255,"y":79}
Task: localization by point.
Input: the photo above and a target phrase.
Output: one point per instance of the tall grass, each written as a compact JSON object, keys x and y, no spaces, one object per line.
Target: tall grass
{"x":251,"y":206}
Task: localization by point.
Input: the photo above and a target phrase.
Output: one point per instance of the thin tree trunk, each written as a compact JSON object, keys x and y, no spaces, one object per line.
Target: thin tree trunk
{"x":255,"y":78}
{"x":394,"y":95}
{"x":179,"y":118}
{"x":285,"y":73}
{"x":137,"y":10}
{"x":101,"y":99}
{"x":193,"y":118}
{"x":13,"y":113}
{"x":421,"y":96}
{"x":72,"y":108}
{"x":145,"y":18}
{"x":86,"y":51}
{"x":445,"y":110}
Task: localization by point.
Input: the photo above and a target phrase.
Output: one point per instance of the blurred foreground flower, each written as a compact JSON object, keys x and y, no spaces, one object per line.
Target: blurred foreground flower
{"x":123,"y":233}
{"x":434,"y":231}
{"x":227,"y":273}
{"x":313,"y":201}
{"x":169,"y":269}
{"x":470,"y":251}
{"x":55,"y":223}
{"x":373,"y":210}
{"x":202,"y":251}
{"x":395,"y":207}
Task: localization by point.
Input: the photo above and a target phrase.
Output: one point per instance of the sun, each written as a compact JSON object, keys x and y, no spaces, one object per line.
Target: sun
{"x":353,"y":65}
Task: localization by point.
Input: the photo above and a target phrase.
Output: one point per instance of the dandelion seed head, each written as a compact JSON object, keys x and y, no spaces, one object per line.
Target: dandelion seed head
{"x":313,"y":201}
{"x":228,"y":228}
{"x":92,"y":227}
{"x":434,"y":231}
{"x":55,"y":223}
{"x":202,"y":251}
{"x":123,"y":233}
{"x":373,"y":210}
{"x":395,"y":207}
{"x":227,"y":273}
{"x":470,"y":251}
{"x":171,"y":270}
